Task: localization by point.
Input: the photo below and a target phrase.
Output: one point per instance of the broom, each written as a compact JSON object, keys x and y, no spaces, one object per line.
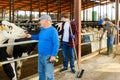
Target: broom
{"x":79,"y":73}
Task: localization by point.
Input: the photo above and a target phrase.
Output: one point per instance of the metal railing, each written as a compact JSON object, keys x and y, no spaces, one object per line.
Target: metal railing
{"x":22,"y":58}
{"x":35,"y":55}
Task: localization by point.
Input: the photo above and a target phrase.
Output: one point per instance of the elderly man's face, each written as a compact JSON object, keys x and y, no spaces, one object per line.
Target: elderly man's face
{"x":103,"y":23}
{"x":63,"y":19}
{"x":42,"y":22}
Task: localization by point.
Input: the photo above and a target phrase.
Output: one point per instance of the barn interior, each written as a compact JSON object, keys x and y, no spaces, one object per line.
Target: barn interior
{"x":86,"y":13}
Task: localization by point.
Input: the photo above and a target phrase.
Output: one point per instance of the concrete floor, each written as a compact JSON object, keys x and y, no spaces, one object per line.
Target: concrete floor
{"x":90,"y":66}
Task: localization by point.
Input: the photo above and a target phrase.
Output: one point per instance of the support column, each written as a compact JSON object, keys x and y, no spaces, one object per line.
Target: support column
{"x":106,"y":10}
{"x":30,"y":10}
{"x":100,"y":10}
{"x":2,"y":14}
{"x":13,"y":16}
{"x":71,"y":9}
{"x":117,"y":18}
{"x":10,"y":10}
{"x":93,"y":12}
{"x":39,"y":8}
{"x":25,"y":15}
{"x":59,"y":10}
{"x":47,"y":6}
{"x":17,"y":15}
{"x":77,"y":15}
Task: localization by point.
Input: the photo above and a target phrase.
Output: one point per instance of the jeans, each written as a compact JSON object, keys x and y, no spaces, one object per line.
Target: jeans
{"x":110,"y":41}
{"x":66,"y":50}
{"x":45,"y":68}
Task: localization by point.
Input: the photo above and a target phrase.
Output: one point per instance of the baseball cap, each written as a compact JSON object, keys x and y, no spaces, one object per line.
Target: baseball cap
{"x":101,"y":21}
{"x":45,"y":17}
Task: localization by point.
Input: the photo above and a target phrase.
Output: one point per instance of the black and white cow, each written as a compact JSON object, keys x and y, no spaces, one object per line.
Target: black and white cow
{"x":9,"y":33}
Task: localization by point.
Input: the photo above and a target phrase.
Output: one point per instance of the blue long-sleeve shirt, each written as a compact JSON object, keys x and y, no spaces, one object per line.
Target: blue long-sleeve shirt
{"x":48,"y":41}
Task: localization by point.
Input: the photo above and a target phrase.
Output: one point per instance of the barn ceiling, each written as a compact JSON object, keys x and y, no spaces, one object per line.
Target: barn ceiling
{"x":48,"y":5}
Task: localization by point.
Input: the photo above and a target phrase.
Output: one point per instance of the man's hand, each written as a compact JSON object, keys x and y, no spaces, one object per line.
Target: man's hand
{"x":72,"y":36}
{"x":117,"y":27}
{"x":28,"y":35}
{"x":52,"y":59}
{"x":100,"y":38}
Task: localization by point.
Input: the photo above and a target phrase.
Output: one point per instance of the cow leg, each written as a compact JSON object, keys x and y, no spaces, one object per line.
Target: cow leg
{"x":18,"y":68}
{"x":10,"y":70}
{"x":19,"y":65}
{"x":13,"y":67}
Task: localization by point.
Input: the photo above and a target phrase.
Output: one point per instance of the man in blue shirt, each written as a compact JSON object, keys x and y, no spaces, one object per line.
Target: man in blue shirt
{"x":48,"y":45}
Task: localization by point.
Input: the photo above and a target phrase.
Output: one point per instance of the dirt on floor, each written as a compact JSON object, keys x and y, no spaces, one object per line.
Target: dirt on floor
{"x":91,"y":66}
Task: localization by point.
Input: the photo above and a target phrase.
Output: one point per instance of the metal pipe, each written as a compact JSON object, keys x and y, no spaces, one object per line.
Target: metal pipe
{"x":39,"y":3}
{"x":93,"y":11}
{"x":25,"y":15}
{"x":77,"y":15}
{"x":58,"y":8}
{"x":117,"y":20}
{"x":19,"y":43}
{"x":71,"y":9}
{"x":83,"y":12}
{"x":111,"y":11}
{"x":18,"y":59}
{"x":2,"y":13}
{"x":106,"y":9}
{"x":30,"y":10}
{"x":100,"y":9}
{"x":47,"y":6}
{"x":17,"y":15}
{"x":10,"y":10}
{"x":13,"y":16}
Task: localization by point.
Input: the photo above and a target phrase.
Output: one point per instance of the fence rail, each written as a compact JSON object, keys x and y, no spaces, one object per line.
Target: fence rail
{"x":19,"y":43}
{"x":33,"y":41}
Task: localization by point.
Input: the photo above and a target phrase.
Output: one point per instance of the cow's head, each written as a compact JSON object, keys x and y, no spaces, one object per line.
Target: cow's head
{"x":10,"y":31}
{"x":13,"y":31}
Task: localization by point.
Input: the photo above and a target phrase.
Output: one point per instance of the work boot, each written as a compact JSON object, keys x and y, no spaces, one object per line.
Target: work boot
{"x":63,"y":69}
{"x":73,"y":70}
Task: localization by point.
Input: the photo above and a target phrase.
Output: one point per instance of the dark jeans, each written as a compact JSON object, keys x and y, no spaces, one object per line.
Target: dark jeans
{"x":66,"y":50}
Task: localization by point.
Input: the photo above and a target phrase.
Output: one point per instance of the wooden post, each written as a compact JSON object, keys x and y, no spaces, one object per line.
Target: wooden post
{"x":77,"y":15}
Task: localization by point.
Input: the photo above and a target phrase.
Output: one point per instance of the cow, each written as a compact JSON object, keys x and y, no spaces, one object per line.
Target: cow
{"x":9,"y":32}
